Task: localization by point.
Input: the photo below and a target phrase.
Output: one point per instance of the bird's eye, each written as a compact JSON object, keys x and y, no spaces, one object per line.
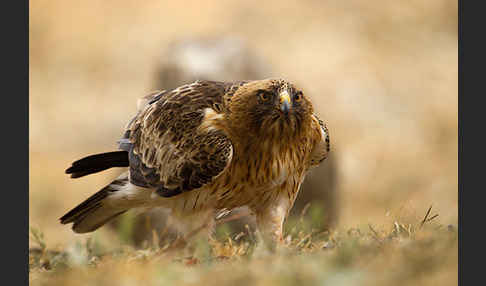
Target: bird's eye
{"x":298,"y":96}
{"x":263,"y":95}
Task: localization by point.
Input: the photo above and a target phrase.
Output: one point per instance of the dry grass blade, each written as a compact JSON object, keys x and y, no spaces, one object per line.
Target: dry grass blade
{"x":375,"y":236}
{"x":304,"y":239}
{"x":434,"y":216}
{"x":304,"y":212}
{"x":426,"y":218}
{"x":38,"y":237}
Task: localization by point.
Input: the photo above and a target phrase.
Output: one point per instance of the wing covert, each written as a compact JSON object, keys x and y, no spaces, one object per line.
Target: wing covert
{"x":167,"y":148}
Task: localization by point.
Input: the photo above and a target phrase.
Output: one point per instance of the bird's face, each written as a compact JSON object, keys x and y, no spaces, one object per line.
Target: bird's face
{"x":271,"y":107}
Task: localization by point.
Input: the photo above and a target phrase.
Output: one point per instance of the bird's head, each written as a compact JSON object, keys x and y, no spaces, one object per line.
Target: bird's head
{"x":270,"y":107}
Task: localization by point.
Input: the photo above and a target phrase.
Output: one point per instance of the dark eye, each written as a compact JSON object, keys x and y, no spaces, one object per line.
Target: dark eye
{"x":263,"y":95}
{"x":298,"y":96}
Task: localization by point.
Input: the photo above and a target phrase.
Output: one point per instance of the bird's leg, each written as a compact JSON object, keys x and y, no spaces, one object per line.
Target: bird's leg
{"x":270,"y":222}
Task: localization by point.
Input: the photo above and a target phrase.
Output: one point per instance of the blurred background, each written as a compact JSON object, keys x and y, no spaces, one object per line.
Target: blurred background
{"x":381,"y":74}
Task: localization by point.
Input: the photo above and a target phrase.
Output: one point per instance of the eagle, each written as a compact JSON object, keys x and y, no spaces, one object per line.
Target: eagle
{"x":207,"y":148}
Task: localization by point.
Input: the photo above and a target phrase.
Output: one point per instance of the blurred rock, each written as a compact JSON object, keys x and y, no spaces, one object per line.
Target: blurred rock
{"x":227,"y":59}
{"x":218,"y":59}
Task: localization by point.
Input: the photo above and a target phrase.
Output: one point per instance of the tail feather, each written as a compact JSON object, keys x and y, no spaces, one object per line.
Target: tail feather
{"x":97,"y":163}
{"x":101,"y":207}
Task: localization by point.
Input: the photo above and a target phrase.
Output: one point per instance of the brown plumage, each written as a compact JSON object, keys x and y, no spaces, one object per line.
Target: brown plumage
{"x":207,"y":147}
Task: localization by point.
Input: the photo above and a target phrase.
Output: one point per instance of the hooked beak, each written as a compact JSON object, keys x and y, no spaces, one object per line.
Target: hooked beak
{"x":285,"y":102}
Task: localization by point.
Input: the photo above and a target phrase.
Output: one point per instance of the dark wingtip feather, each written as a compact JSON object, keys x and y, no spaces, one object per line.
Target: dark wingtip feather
{"x":84,"y":207}
{"x":97,"y":163}
{"x":94,"y":212}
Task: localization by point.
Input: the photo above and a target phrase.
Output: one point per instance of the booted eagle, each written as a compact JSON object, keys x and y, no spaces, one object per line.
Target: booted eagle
{"x":209,"y":147}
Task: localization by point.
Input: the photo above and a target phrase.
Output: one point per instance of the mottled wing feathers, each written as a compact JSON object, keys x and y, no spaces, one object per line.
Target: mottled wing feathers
{"x":168,"y":148}
{"x":142,"y":104}
{"x":201,"y":163}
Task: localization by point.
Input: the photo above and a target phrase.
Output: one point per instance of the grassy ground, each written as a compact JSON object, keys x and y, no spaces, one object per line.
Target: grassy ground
{"x":382,"y":74}
{"x":420,"y":253}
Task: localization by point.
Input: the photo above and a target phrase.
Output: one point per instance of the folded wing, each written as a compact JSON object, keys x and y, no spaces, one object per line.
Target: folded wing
{"x":167,"y":147}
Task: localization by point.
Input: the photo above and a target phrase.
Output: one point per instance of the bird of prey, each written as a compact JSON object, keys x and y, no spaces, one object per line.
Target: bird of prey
{"x":209,"y":147}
